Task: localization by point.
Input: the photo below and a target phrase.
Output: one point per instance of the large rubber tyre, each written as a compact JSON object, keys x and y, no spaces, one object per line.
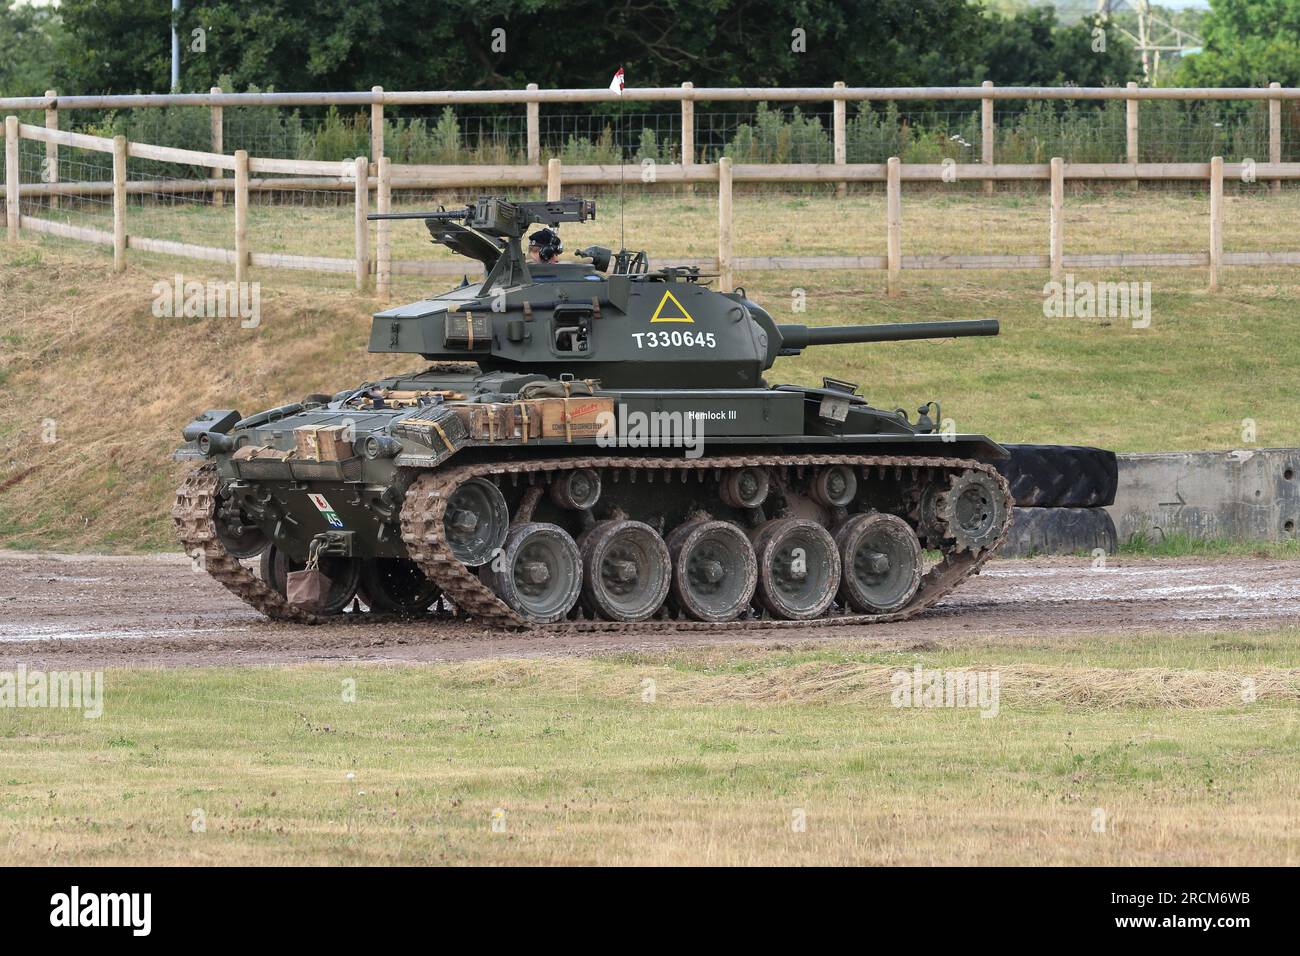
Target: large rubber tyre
{"x":1059,"y":531}
{"x":1060,"y":476}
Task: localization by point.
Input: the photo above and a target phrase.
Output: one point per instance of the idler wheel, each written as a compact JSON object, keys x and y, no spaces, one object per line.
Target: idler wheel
{"x":576,"y":490}
{"x":626,"y":570}
{"x":834,"y":486}
{"x":714,"y":570}
{"x":240,"y":540}
{"x":539,"y":572}
{"x":476,"y":521}
{"x":972,"y":510}
{"x":798,"y":568}
{"x":880,"y":558}
{"x":745,"y":487}
{"x":344,"y":575}
{"x":396,"y":586}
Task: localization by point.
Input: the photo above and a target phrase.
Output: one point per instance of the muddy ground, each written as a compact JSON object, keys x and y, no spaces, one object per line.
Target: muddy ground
{"x":93,"y":611}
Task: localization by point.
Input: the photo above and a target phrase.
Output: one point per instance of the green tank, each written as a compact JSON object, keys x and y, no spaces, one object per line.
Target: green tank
{"x":593,"y":444}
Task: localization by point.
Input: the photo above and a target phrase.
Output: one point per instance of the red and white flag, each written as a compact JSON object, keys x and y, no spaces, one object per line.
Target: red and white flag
{"x":616,"y":84}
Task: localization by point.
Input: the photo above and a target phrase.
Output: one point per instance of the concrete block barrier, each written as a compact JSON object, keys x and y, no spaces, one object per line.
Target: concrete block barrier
{"x":1242,"y":495}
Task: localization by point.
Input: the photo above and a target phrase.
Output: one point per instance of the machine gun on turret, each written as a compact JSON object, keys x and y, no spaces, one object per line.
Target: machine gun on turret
{"x":490,"y":231}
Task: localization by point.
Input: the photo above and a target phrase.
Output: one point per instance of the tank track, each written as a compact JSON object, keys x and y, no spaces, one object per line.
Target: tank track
{"x":426,"y":503}
{"x":196,"y":502}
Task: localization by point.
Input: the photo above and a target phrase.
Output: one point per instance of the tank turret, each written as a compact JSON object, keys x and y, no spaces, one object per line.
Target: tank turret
{"x":610,"y":318}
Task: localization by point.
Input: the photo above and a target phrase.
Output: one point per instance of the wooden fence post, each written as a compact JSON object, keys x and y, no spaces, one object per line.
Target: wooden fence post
{"x":553,"y":179}
{"x":534,"y":113}
{"x":1056,"y":244}
{"x":119,"y":203}
{"x":51,"y":171}
{"x":377,"y":126}
{"x":839,"y":113}
{"x":1275,"y":134}
{"x":383,"y":250}
{"x":218,"y":146}
{"x":1216,"y":221}
{"x":362,"y":174}
{"x":1131,"y":152}
{"x":987,"y":129}
{"x":241,"y":215}
{"x":688,"y":124}
{"x":894,"y":223}
{"x":725,"y":278}
{"x":12,"y":170}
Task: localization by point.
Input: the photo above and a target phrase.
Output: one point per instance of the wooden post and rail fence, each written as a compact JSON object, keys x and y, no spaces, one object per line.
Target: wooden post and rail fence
{"x":375,"y":174}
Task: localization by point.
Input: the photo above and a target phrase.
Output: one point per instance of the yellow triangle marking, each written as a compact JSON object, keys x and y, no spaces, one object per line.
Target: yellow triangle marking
{"x":659,"y":312}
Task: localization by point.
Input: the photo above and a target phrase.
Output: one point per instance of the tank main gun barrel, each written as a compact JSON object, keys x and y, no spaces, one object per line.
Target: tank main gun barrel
{"x":795,"y":338}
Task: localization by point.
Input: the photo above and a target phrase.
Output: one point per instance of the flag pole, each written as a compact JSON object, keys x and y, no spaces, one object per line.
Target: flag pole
{"x":622,"y":173}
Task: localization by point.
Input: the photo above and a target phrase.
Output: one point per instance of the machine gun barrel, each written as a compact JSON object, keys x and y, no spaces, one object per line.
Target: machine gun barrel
{"x":795,"y":338}
{"x":453,"y":214}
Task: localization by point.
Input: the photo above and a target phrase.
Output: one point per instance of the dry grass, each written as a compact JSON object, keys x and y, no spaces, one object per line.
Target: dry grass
{"x":80,"y":347}
{"x":735,"y":743}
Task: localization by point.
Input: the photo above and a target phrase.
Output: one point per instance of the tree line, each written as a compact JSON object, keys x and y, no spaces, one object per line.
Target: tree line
{"x":123,"y":46}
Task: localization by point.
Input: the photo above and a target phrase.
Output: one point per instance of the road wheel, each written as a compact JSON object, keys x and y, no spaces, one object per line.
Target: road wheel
{"x":798,"y":568}
{"x":476,"y":521}
{"x":626,"y":570}
{"x":396,"y":586}
{"x":344,"y":575}
{"x":880,"y":557}
{"x":539,"y":572}
{"x":714,"y":570}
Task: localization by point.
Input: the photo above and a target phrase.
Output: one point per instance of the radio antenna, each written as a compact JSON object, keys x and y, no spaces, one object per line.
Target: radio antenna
{"x":622,"y":242}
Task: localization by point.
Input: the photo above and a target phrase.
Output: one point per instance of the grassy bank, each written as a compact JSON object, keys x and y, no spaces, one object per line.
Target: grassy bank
{"x":83,"y":359}
{"x":1149,"y":735}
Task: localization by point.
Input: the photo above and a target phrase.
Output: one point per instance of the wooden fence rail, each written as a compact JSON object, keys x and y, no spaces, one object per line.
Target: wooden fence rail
{"x":687,"y":95}
{"x":363,"y":176}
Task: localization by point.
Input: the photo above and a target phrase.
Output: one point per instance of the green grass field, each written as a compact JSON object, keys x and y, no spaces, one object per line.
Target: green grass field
{"x":1127,"y":749}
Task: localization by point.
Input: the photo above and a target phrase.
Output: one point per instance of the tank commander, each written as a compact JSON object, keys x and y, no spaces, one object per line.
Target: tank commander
{"x":544,"y":246}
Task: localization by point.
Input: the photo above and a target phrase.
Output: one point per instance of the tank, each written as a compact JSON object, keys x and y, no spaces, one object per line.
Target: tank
{"x":591,"y":443}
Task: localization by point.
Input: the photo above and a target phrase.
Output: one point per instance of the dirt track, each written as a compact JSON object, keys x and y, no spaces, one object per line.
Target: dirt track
{"x":105,"y":611}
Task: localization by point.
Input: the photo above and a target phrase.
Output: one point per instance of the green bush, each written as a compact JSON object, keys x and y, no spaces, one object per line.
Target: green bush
{"x":774,"y":138}
{"x":581,"y":151}
{"x":338,"y":138}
